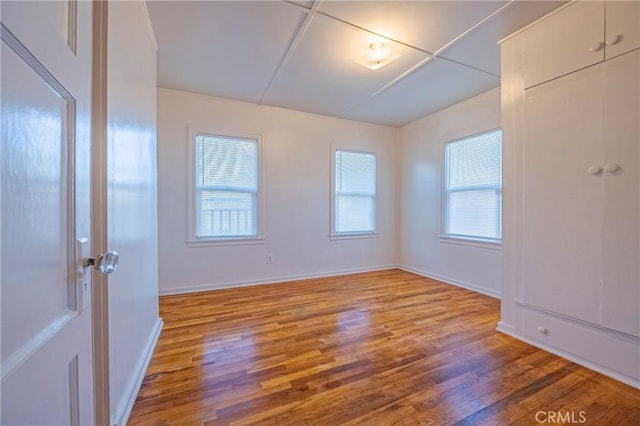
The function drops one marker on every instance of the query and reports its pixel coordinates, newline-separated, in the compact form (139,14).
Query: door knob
(105,263)
(611,168)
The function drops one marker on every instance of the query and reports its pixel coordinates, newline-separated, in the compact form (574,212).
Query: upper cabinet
(590,32)
(622,27)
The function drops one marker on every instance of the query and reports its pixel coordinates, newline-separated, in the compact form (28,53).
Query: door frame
(99,213)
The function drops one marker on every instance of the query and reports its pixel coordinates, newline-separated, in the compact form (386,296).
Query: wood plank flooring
(378,348)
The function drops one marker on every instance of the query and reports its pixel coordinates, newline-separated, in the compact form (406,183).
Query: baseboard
(247,283)
(458,283)
(506,328)
(510,331)
(122,416)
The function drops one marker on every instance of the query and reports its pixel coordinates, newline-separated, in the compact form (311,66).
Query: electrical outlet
(269,259)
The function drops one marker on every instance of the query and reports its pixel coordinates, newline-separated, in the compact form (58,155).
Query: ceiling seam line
(469,66)
(426,60)
(386,86)
(300,6)
(292,46)
(464,34)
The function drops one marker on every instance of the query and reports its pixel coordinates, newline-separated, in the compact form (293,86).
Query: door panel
(45,185)
(562,201)
(34,191)
(621,236)
(48,388)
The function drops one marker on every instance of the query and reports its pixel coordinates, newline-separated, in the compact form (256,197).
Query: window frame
(333,234)
(192,239)
(474,241)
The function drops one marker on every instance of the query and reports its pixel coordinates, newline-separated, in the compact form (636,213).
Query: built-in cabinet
(579,36)
(571,138)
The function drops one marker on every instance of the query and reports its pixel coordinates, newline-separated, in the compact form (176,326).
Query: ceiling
(301,55)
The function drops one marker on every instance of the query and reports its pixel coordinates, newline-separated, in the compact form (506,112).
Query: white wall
(296,170)
(421,154)
(131,196)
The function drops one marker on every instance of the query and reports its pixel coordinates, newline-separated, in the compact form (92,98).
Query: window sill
(354,236)
(472,242)
(220,242)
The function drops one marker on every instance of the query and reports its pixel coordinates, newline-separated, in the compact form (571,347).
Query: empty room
(320,212)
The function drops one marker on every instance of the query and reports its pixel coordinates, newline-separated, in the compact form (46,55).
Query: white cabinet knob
(613,39)
(542,330)
(596,46)
(594,170)
(611,167)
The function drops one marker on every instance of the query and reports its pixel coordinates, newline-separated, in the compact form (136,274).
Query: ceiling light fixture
(378,56)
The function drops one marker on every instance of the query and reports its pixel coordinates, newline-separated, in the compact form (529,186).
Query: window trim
(193,130)
(333,235)
(468,240)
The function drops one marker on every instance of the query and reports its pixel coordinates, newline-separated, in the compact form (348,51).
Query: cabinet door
(566,41)
(562,200)
(621,233)
(622,27)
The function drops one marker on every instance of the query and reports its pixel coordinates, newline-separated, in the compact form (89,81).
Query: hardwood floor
(379,348)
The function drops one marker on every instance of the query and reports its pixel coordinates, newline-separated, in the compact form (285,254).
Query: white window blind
(226,189)
(355,192)
(473,187)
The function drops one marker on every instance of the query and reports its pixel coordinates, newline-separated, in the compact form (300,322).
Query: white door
(562,227)
(46,350)
(621,177)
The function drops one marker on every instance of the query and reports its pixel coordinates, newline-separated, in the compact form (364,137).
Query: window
(473,187)
(226,187)
(354,192)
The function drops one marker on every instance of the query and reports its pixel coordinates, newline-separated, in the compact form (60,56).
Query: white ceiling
(302,55)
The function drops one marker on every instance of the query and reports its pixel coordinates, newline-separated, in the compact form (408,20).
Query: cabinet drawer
(566,41)
(597,346)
